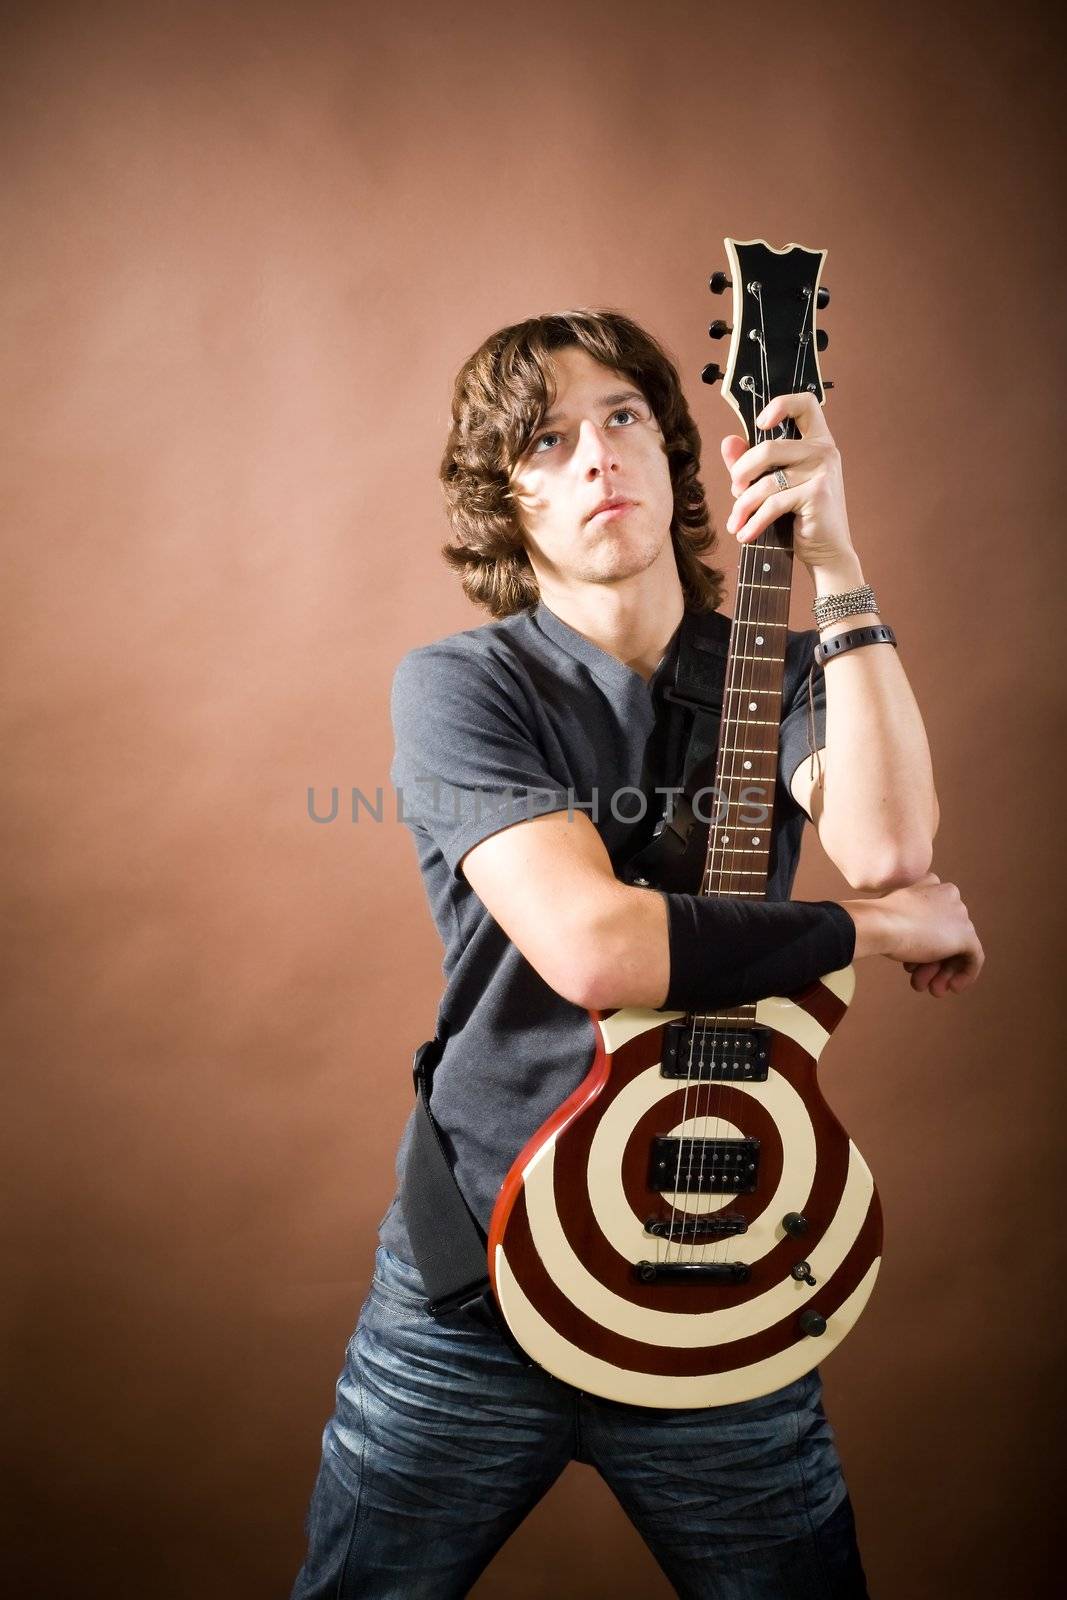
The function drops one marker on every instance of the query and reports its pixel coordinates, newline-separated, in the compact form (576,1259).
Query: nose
(596,449)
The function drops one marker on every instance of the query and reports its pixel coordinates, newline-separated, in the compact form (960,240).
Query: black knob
(795,1222)
(822,339)
(811,1324)
(711,373)
(718,328)
(718,282)
(822,299)
(802,1273)
(827,384)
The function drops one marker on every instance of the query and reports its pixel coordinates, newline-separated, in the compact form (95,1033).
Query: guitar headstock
(774,342)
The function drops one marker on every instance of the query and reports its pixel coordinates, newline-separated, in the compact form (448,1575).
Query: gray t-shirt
(512,719)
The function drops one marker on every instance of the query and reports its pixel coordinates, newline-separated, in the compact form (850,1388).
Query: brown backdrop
(245,249)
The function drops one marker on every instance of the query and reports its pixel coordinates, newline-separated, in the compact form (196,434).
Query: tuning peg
(718,328)
(718,282)
(711,373)
(822,339)
(822,299)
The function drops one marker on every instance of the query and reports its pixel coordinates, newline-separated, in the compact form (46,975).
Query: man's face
(600,442)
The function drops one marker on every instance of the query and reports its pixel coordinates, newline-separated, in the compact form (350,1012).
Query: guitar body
(569,1230)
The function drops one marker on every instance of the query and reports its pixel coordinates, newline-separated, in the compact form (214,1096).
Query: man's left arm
(871,793)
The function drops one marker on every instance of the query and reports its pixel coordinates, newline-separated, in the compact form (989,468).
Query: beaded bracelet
(832,607)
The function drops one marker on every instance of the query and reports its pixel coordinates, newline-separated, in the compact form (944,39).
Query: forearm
(627,930)
(878,811)
(698,952)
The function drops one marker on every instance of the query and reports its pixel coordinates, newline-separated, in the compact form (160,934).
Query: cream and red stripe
(570,1221)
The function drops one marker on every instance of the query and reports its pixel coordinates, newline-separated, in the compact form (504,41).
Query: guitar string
(751,590)
(705,1127)
(744,670)
(735,688)
(688,1144)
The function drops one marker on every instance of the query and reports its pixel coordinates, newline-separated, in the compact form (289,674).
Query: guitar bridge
(718,1226)
(726,1272)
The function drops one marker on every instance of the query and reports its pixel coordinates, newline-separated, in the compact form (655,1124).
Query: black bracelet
(875,633)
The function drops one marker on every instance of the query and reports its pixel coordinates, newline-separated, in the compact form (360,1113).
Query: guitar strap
(669,853)
(448,1242)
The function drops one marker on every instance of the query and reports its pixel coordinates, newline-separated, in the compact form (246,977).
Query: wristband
(854,639)
(727,953)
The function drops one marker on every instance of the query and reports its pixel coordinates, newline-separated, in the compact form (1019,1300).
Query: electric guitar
(693,1226)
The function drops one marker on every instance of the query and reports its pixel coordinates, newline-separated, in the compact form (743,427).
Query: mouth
(610,508)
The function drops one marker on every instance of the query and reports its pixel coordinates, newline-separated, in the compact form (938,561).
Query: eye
(544,438)
(626,411)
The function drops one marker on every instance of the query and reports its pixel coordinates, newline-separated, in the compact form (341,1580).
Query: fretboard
(742,808)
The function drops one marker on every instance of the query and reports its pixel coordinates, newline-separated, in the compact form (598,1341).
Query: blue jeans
(442,1440)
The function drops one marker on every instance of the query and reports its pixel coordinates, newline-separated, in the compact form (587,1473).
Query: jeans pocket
(396,1280)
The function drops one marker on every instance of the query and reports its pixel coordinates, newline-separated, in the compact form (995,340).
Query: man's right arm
(603,944)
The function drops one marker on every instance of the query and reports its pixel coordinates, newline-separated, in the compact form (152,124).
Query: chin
(630,558)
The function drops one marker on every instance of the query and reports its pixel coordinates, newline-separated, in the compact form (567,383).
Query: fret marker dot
(759,638)
(755,841)
(752,705)
(726,838)
(766,566)
(748,766)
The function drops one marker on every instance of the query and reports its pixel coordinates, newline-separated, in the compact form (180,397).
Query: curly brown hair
(501,396)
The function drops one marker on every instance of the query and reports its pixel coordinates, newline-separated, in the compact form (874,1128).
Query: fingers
(951,976)
(754,465)
(941,979)
(805,410)
(971,966)
(761,505)
(733,448)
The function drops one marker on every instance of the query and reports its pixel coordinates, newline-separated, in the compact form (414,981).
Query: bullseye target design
(570,1227)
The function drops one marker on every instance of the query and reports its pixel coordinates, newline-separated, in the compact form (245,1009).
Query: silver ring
(780,478)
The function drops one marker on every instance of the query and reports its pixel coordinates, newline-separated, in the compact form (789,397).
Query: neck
(632,619)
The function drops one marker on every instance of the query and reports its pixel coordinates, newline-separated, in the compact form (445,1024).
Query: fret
(744,894)
(736,690)
(756,722)
(738,657)
(746,750)
(754,583)
(748,622)
(743,872)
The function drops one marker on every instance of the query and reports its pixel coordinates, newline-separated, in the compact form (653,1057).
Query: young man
(579,520)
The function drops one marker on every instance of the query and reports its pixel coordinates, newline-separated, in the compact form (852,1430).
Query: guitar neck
(742,808)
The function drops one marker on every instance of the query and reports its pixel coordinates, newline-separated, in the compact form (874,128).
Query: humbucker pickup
(704,1166)
(706,1053)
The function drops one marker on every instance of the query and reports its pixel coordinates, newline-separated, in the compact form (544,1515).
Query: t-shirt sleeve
(466,763)
(803,729)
